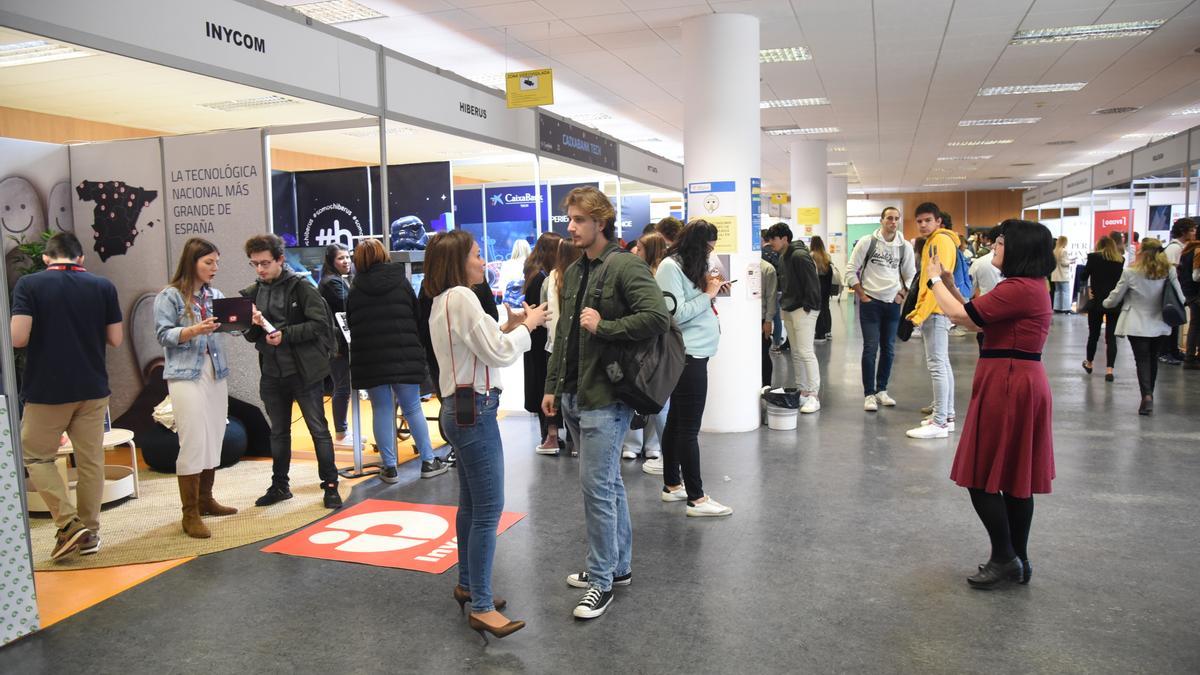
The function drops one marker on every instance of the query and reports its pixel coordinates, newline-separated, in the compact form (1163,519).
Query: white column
(722,142)
(809,190)
(835,223)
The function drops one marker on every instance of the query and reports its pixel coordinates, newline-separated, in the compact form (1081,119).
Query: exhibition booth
(319,136)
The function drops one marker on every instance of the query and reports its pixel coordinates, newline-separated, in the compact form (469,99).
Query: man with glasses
(880,270)
(294,338)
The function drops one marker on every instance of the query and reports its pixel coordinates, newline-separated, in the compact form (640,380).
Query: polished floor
(847,552)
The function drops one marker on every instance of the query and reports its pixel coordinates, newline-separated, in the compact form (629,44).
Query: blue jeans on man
(598,435)
(879,321)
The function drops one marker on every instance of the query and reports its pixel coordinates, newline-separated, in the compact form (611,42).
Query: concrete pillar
(809,190)
(722,143)
(835,223)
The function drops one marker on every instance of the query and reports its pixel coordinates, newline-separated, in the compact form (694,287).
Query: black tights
(1007,520)
(1096,315)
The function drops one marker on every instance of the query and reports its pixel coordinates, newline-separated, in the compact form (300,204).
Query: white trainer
(677,495)
(811,405)
(654,467)
(628,454)
(708,508)
(929,420)
(884,399)
(870,404)
(929,431)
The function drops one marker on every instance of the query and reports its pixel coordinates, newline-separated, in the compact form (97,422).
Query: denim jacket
(184,360)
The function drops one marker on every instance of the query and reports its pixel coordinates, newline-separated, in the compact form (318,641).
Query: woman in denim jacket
(196,375)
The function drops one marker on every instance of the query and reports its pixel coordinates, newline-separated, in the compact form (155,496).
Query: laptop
(234,314)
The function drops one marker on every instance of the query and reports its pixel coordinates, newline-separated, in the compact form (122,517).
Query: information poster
(529,88)
(1107,222)
(716,202)
(755,214)
(332,206)
(807,218)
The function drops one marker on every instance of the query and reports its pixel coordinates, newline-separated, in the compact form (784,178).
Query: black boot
(994,574)
(333,500)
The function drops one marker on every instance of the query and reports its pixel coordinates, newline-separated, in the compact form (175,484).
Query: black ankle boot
(994,574)
(1147,406)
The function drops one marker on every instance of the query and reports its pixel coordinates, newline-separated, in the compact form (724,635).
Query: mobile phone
(464,406)
(732,281)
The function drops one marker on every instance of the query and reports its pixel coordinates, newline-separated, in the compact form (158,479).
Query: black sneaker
(333,500)
(388,474)
(89,543)
(433,468)
(593,603)
(451,458)
(275,494)
(67,539)
(581,579)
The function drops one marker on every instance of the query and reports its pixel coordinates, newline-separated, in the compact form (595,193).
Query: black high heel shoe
(1109,377)
(500,632)
(994,574)
(1087,368)
(462,596)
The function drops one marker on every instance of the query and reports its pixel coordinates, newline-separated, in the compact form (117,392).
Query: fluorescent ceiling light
(999,122)
(337,11)
(489,80)
(939,184)
(1098,31)
(964,158)
(1035,182)
(971,144)
(1075,164)
(837,163)
(1032,89)
(590,117)
(949,177)
(836,148)
(793,102)
(1052,174)
(37,51)
(1187,111)
(1152,134)
(799,131)
(784,54)
(373,131)
(248,103)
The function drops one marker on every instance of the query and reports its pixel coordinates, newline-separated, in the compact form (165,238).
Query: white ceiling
(900,74)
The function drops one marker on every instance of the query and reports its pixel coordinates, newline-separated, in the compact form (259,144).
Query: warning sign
(385,533)
(529,88)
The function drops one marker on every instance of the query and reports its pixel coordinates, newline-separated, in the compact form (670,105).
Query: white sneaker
(653,467)
(811,405)
(546,449)
(628,454)
(884,399)
(344,440)
(679,495)
(929,431)
(870,404)
(708,508)
(929,420)
(958,332)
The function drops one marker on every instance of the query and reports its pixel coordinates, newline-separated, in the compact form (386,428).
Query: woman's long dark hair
(543,259)
(691,251)
(184,280)
(331,253)
(816,248)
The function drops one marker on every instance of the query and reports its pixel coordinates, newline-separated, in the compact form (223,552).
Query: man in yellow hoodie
(935,326)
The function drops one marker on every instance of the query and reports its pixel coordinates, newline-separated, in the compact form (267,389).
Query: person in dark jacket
(294,339)
(334,289)
(1103,269)
(386,357)
(1189,281)
(801,304)
(539,264)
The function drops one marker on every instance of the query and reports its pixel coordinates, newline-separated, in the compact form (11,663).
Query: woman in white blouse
(470,347)
(1061,277)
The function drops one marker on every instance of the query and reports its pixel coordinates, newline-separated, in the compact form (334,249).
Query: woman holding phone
(196,373)
(470,348)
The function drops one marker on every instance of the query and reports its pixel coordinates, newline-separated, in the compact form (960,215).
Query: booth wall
(20,612)
(979,208)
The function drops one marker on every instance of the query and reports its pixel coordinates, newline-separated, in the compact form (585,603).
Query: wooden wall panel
(287,160)
(980,208)
(35,126)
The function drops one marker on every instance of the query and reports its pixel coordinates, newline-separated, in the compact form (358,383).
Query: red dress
(1007,443)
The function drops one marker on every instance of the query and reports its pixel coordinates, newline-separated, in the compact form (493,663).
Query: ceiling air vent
(1061,143)
(1022,164)
(1119,110)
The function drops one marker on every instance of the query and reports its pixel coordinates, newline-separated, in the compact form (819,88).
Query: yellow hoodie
(945,243)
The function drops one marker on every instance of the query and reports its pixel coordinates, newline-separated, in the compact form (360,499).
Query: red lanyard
(202,305)
(65,267)
(453,365)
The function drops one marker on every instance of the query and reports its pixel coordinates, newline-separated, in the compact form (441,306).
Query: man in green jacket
(294,336)
(800,302)
(625,307)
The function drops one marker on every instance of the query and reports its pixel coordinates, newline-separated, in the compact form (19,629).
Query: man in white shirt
(1183,231)
(880,269)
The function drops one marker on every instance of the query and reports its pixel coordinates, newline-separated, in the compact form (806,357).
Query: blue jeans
(480,494)
(935,333)
(598,434)
(649,437)
(878,320)
(383,419)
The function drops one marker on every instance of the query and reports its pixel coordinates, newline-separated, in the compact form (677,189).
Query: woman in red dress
(1005,462)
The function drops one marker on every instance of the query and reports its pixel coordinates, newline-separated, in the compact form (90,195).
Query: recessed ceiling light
(1032,89)
(964,158)
(949,177)
(1021,164)
(971,144)
(1075,164)
(1152,134)
(1052,174)
(1118,110)
(939,184)
(337,11)
(837,163)
(255,102)
(784,54)
(999,177)
(1035,182)
(1187,111)
(1060,143)
(793,102)
(489,80)
(1098,31)
(590,117)
(836,148)
(37,51)
(801,131)
(999,122)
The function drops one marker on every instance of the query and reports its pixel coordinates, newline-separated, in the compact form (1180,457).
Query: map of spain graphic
(115,215)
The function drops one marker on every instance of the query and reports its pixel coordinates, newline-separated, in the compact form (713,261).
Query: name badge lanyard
(454,366)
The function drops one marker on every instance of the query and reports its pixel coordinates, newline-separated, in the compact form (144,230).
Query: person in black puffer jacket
(386,357)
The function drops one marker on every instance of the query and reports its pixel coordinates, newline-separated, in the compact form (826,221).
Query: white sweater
(474,347)
(883,276)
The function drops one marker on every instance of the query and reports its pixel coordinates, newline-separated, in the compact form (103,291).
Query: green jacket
(631,309)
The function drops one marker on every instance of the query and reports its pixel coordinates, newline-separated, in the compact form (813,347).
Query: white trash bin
(781,419)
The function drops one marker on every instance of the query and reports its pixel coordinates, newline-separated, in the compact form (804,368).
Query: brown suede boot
(208,505)
(189,494)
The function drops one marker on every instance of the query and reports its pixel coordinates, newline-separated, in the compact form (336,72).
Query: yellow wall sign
(529,88)
(808,215)
(780,197)
(727,233)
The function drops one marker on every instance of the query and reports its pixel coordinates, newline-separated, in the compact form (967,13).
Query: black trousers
(277,395)
(1096,315)
(1193,334)
(1145,355)
(768,369)
(1169,344)
(680,439)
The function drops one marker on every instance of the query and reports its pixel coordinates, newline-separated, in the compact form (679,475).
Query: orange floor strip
(62,594)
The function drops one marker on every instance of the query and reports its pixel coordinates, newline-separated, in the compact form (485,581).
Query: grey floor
(847,552)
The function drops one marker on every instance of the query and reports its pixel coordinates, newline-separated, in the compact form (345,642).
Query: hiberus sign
(561,138)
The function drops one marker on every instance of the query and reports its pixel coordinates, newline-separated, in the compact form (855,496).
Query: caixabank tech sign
(564,139)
